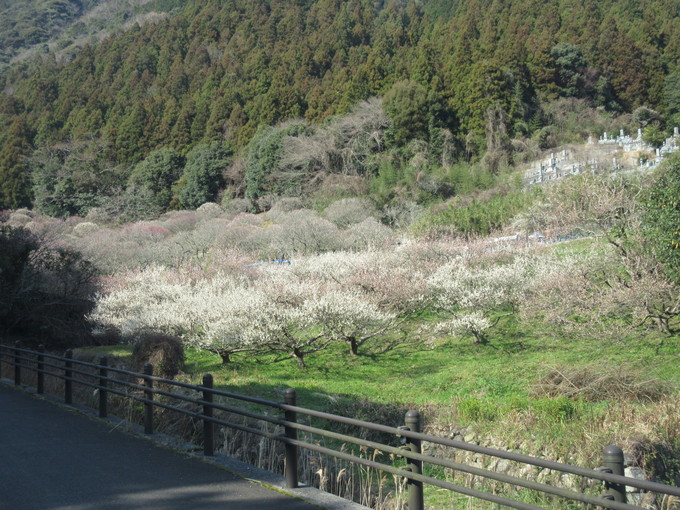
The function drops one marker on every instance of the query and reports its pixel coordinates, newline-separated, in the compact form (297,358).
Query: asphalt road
(52,458)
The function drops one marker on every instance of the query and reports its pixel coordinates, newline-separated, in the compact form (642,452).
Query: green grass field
(490,390)
(454,379)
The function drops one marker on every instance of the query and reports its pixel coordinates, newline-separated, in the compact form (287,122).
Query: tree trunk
(353,346)
(480,338)
(299,357)
(226,357)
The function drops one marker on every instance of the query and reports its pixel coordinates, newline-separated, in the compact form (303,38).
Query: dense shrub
(477,217)
(236,205)
(157,173)
(202,177)
(45,289)
(583,205)
(661,218)
(349,211)
(209,210)
(85,228)
(369,233)
(180,221)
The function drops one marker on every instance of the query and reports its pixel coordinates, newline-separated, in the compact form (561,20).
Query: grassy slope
(415,374)
(486,390)
(519,353)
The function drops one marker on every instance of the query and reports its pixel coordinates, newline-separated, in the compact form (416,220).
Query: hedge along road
(56,459)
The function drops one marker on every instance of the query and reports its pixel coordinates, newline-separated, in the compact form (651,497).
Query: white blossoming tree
(348,316)
(471,294)
(392,281)
(157,299)
(273,310)
(310,313)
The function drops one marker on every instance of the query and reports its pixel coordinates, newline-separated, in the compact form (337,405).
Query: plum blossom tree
(393,281)
(470,294)
(142,300)
(348,316)
(270,310)
(240,320)
(215,315)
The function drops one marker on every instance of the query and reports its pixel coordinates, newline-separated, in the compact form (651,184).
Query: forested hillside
(37,27)
(24,23)
(463,78)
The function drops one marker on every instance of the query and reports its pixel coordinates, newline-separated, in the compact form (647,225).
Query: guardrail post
(148,407)
(291,467)
(68,377)
(415,488)
(40,368)
(17,361)
(208,425)
(103,394)
(613,459)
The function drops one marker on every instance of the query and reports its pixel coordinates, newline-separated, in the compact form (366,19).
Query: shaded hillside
(25,23)
(217,70)
(38,27)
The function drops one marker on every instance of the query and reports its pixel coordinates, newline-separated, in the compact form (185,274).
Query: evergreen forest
(458,82)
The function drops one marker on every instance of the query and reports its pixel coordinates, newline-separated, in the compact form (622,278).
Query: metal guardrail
(409,435)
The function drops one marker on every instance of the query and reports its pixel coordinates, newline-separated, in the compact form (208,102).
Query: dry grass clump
(366,486)
(670,503)
(596,384)
(164,352)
